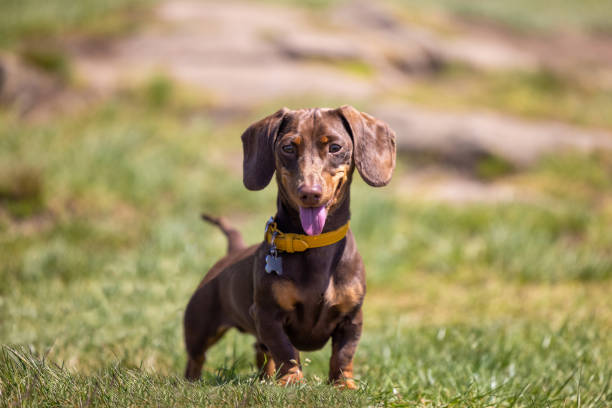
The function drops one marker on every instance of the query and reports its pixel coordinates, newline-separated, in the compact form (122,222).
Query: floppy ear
(374,146)
(258,148)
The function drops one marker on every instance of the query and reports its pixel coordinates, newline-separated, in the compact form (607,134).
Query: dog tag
(274,264)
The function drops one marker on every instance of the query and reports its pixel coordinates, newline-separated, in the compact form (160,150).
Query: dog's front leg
(271,333)
(344,343)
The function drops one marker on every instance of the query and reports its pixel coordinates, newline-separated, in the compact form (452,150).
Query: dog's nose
(310,195)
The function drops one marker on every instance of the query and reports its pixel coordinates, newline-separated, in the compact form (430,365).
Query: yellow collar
(290,242)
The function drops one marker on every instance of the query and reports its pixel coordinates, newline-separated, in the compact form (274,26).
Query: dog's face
(314,153)
(313,160)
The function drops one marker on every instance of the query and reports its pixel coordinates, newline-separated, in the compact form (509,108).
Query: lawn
(30,20)
(483,305)
(539,15)
(502,304)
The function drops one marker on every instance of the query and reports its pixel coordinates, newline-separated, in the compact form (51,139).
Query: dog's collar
(290,242)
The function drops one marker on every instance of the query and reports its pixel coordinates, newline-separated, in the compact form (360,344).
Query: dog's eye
(288,149)
(334,148)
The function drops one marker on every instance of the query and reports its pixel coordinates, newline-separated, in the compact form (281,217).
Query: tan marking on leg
(269,368)
(345,381)
(212,340)
(346,384)
(293,376)
(266,365)
(286,294)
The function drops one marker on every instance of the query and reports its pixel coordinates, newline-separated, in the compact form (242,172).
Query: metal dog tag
(274,264)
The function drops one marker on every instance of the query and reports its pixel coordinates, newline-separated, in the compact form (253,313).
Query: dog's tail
(234,238)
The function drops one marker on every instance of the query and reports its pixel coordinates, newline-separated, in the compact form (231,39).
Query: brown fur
(343,297)
(320,293)
(286,294)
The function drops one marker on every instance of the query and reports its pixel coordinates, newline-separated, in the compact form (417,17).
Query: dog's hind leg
(203,328)
(196,354)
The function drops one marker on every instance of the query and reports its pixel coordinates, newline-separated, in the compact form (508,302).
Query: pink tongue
(313,219)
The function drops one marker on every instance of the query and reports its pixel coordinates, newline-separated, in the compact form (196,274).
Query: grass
(21,190)
(533,94)
(354,67)
(25,21)
(525,15)
(481,305)
(540,15)
(496,365)
(475,305)
(47,59)
(30,20)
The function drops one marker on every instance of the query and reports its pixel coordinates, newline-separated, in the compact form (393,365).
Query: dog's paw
(345,384)
(294,376)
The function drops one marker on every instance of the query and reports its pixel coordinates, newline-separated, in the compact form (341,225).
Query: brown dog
(306,282)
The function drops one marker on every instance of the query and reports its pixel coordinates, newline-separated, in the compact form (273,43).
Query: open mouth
(313,219)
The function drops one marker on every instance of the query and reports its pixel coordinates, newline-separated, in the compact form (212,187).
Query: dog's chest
(313,315)
(341,297)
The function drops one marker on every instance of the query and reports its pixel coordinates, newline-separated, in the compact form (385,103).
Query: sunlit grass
(478,304)
(31,20)
(450,365)
(525,15)
(533,94)
(540,15)
(101,245)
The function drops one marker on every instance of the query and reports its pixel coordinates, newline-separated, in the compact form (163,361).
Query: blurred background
(489,256)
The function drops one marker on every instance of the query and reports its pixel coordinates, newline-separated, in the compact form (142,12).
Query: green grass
(539,15)
(48,59)
(352,67)
(500,365)
(538,94)
(525,15)
(476,305)
(33,21)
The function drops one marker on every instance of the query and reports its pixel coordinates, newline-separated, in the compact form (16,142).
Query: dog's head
(314,153)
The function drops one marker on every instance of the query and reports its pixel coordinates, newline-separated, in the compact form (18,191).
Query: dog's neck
(288,219)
